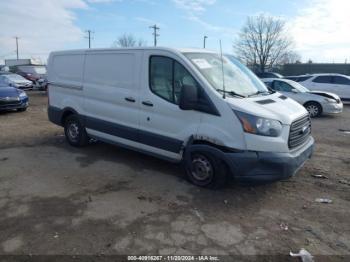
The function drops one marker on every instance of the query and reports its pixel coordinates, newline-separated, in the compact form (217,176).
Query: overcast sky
(320,28)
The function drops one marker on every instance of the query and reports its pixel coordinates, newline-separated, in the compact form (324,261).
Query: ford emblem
(304,129)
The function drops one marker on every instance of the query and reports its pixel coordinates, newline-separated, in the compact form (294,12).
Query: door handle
(130,99)
(147,103)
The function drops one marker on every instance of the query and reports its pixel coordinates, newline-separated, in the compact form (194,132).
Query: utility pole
(16,37)
(205,38)
(89,36)
(155,34)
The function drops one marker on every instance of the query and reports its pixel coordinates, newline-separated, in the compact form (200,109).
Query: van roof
(180,50)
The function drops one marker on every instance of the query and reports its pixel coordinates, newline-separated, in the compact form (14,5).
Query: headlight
(259,125)
(330,100)
(22,94)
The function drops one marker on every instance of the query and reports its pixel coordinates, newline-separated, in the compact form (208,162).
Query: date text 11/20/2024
(173,258)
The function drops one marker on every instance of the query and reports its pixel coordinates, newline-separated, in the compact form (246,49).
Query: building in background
(310,68)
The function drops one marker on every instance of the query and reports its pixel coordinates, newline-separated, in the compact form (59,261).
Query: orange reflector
(247,126)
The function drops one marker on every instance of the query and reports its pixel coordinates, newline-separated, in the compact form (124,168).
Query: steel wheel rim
(202,169)
(73,131)
(313,110)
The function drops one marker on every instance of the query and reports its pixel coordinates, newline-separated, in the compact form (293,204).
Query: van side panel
(111,89)
(65,75)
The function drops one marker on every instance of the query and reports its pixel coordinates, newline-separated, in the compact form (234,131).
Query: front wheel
(314,109)
(22,109)
(206,170)
(75,132)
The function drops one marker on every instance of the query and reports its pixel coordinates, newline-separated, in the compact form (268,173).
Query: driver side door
(164,127)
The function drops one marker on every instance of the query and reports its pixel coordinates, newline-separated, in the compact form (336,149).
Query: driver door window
(167,77)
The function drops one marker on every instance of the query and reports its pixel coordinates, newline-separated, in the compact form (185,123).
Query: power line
(89,36)
(155,34)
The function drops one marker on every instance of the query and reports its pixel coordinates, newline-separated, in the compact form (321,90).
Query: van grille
(300,131)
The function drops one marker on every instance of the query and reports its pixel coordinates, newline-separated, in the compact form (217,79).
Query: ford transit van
(184,105)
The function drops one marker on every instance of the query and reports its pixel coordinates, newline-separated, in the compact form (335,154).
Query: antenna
(223,74)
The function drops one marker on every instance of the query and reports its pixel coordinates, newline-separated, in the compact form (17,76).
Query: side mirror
(188,97)
(294,90)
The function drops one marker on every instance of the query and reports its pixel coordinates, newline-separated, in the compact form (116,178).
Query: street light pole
(16,37)
(205,38)
(89,36)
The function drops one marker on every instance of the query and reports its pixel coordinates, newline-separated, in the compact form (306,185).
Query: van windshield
(239,79)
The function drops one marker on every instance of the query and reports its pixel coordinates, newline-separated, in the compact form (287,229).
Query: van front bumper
(268,166)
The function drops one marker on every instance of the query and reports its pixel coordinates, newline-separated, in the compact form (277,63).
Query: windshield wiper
(261,92)
(231,93)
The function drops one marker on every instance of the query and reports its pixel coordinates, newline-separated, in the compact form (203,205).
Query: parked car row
(316,102)
(25,76)
(12,98)
(15,80)
(335,83)
(319,93)
(34,73)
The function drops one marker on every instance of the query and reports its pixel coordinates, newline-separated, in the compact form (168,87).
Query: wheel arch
(67,111)
(219,151)
(313,102)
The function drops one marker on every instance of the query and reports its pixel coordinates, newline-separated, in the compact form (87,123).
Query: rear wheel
(21,109)
(314,109)
(206,170)
(75,132)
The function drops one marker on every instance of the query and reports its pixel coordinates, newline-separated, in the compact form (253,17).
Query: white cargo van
(184,105)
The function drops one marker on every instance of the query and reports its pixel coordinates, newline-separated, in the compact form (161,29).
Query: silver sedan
(316,102)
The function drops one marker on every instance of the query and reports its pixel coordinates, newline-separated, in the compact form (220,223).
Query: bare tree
(128,40)
(290,57)
(263,42)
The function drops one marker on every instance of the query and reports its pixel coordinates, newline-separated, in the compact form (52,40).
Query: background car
(34,73)
(300,78)
(4,68)
(16,81)
(12,98)
(336,83)
(315,102)
(269,75)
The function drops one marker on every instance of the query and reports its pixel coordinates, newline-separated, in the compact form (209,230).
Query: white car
(335,83)
(316,102)
(183,105)
(16,81)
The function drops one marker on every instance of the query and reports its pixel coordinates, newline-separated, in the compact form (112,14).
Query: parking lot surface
(103,199)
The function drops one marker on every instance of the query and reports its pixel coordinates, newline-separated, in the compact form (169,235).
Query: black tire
(214,168)
(75,132)
(21,109)
(314,109)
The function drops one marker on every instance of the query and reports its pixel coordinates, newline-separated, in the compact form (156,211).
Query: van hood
(274,106)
